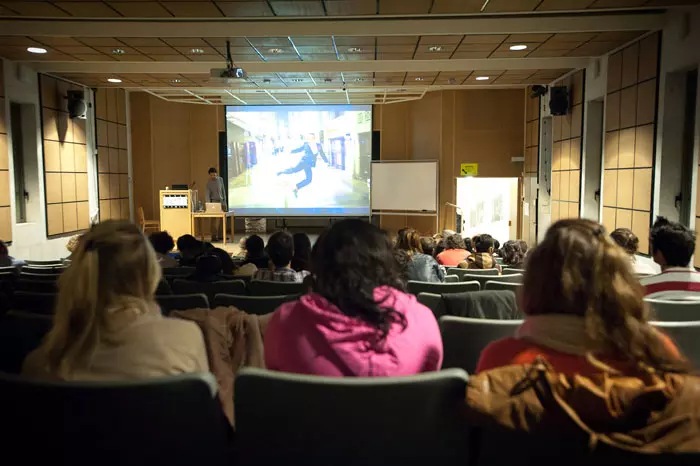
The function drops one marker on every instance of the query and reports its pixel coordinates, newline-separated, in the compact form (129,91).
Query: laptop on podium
(213,207)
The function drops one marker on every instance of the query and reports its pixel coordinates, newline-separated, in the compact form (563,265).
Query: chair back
(674,311)
(461,272)
(496,285)
(43,270)
(451,279)
(416,287)
(142,216)
(43,276)
(482,279)
(259,305)
(463,339)
(53,263)
(432,301)
(350,420)
(182,302)
(20,334)
(210,289)
(511,270)
(36,286)
(269,288)
(34,303)
(686,336)
(179,271)
(174,420)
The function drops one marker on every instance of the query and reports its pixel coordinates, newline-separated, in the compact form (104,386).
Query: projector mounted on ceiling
(231,73)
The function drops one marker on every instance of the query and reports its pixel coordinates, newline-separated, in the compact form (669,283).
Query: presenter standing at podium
(216,193)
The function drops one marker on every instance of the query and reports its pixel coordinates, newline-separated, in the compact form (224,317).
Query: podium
(176,208)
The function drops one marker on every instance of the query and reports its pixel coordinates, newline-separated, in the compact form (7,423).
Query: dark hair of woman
(454,242)
(302,246)
(512,253)
(254,246)
(468,244)
(428,244)
(626,239)
(410,242)
(579,270)
(348,262)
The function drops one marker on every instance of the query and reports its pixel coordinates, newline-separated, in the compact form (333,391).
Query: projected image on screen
(299,160)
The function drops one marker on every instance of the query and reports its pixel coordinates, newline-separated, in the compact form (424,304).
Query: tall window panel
(630,126)
(531,166)
(112,155)
(65,161)
(5,216)
(566,151)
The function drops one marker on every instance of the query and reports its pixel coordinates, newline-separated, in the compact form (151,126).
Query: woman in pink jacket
(357,321)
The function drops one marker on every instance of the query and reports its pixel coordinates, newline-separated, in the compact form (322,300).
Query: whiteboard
(406,185)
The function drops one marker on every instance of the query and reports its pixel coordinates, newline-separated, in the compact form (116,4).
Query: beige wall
(453,127)
(5,215)
(171,143)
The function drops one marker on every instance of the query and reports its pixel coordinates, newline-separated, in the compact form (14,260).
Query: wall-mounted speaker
(559,100)
(76,104)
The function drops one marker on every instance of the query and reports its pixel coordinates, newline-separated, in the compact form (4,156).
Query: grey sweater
(216,191)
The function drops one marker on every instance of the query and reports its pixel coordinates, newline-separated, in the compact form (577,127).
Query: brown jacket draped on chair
(234,339)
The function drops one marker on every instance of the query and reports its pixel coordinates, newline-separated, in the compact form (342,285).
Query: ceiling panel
(351,7)
(245,9)
(203,9)
(297,8)
(141,9)
(88,9)
(404,7)
(33,8)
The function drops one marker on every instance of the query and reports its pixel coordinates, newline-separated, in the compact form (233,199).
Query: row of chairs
(468,284)
(259,305)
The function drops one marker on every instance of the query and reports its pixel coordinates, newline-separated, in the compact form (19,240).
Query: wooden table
(222,215)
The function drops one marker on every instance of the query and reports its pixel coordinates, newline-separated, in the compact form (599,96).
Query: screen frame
(354,107)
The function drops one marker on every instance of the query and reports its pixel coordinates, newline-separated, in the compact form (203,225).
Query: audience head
(302,246)
(513,253)
(428,244)
(403,258)
(439,247)
(212,173)
(627,240)
(496,243)
(348,262)
(187,243)
(672,244)
(254,246)
(113,269)
(162,242)
(72,244)
(578,270)
(523,246)
(468,244)
(454,242)
(280,249)
(485,244)
(410,242)
(208,264)
(3,249)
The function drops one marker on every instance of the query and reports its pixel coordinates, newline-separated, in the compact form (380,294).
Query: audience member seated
(513,255)
(582,301)
(468,245)
(428,245)
(673,246)
(227,266)
(255,252)
(190,249)
(421,267)
(402,260)
(439,248)
(454,252)
(280,250)
(483,257)
(107,324)
(208,269)
(302,252)
(163,244)
(357,321)
(628,241)
(5,259)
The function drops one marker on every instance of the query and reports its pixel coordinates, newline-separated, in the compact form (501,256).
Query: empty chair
(686,335)
(252,304)
(174,420)
(210,289)
(35,303)
(36,286)
(268,288)
(350,421)
(181,302)
(20,334)
(442,288)
(463,339)
(432,301)
(482,279)
(451,279)
(512,270)
(674,311)
(461,272)
(496,285)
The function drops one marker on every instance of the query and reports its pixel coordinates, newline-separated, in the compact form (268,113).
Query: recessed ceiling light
(452,81)
(175,81)
(419,78)
(275,51)
(435,48)
(518,47)
(359,80)
(354,50)
(327,80)
(38,50)
(118,52)
(482,78)
(296,80)
(114,80)
(197,51)
(267,80)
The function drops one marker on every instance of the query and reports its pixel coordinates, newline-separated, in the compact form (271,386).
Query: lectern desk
(176,212)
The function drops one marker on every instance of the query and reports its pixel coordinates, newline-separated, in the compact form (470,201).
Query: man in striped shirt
(673,246)
(280,250)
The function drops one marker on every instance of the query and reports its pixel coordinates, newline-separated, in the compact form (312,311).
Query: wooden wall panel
(5,213)
(531,165)
(112,150)
(630,128)
(567,148)
(65,160)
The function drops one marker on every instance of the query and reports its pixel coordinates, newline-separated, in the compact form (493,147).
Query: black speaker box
(559,100)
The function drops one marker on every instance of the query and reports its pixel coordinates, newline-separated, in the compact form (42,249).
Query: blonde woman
(107,325)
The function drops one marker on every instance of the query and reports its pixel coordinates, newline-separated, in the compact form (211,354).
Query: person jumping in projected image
(311,150)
